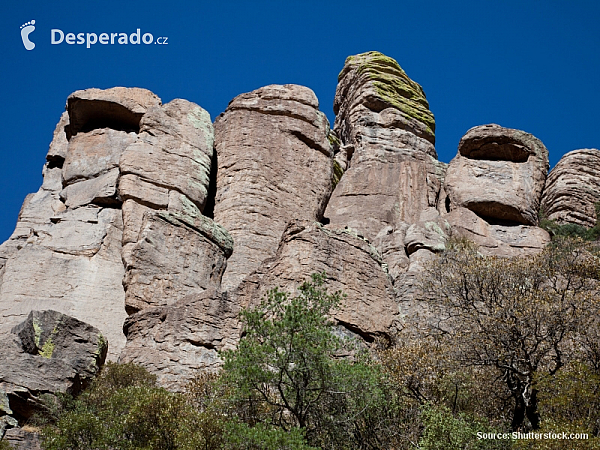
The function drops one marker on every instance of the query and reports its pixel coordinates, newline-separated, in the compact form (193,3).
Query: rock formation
(117,223)
(169,228)
(573,188)
(275,164)
(499,174)
(494,188)
(390,189)
(47,353)
(353,266)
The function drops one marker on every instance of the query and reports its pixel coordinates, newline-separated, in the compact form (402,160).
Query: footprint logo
(26,30)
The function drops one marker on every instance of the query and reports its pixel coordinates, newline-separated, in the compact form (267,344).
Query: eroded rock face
(175,342)
(117,108)
(498,173)
(275,164)
(573,188)
(173,151)
(65,252)
(352,265)
(498,240)
(173,259)
(391,186)
(49,352)
(118,220)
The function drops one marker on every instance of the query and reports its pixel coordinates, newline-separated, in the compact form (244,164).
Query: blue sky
(532,65)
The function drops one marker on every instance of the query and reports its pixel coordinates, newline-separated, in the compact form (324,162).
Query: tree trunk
(532,412)
(518,413)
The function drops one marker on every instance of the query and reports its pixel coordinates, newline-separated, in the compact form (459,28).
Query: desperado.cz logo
(59,37)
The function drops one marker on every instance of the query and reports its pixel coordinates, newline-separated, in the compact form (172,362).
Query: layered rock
(118,220)
(494,187)
(499,174)
(497,240)
(352,265)
(175,342)
(47,353)
(391,185)
(573,189)
(175,256)
(275,164)
(65,252)
(170,249)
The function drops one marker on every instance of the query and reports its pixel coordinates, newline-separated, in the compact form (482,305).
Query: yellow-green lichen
(333,140)
(337,173)
(37,330)
(392,85)
(47,348)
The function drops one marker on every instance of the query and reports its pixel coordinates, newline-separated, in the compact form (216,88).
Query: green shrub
(123,409)
(446,431)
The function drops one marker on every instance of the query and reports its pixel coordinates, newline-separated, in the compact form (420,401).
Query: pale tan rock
(573,189)
(275,165)
(174,150)
(391,186)
(118,108)
(497,240)
(133,215)
(101,190)
(58,147)
(385,125)
(73,266)
(94,153)
(146,193)
(169,261)
(352,266)
(499,173)
(175,342)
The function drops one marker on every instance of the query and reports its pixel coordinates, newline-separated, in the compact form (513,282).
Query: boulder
(49,352)
(352,265)
(173,151)
(174,342)
(499,174)
(573,189)
(275,164)
(117,108)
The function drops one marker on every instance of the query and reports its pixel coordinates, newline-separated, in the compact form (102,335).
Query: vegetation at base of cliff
(501,345)
(511,344)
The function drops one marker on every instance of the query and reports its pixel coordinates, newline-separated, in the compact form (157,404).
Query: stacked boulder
(494,188)
(275,164)
(391,185)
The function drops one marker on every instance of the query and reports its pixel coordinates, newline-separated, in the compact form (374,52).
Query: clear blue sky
(532,65)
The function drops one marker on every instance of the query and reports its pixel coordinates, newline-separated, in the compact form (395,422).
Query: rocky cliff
(154,226)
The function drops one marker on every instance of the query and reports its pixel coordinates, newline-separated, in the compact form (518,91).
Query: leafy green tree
(444,430)
(292,371)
